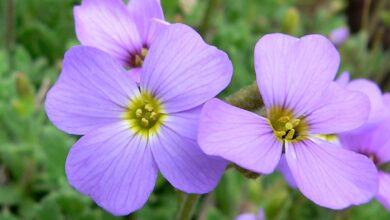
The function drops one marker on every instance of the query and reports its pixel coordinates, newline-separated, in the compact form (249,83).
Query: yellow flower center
(145,115)
(286,126)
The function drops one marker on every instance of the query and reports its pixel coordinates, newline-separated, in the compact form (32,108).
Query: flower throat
(286,126)
(145,114)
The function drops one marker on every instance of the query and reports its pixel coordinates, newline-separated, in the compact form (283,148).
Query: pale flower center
(145,114)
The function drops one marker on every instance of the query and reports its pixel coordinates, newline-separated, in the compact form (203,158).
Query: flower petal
(357,142)
(340,110)
(108,25)
(93,90)
(143,11)
(386,99)
(239,136)
(332,176)
(286,172)
(371,142)
(339,35)
(294,73)
(383,195)
(114,168)
(135,74)
(379,144)
(247,216)
(343,79)
(187,74)
(183,164)
(185,123)
(378,111)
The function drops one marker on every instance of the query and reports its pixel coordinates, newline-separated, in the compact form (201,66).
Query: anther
(138,113)
(149,107)
(153,115)
(280,133)
(138,60)
(295,122)
(289,125)
(144,51)
(284,119)
(144,122)
(290,134)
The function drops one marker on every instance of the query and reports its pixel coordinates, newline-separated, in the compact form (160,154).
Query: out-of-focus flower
(339,35)
(295,81)
(250,216)
(373,142)
(130,130)
(125,32)
(378,109)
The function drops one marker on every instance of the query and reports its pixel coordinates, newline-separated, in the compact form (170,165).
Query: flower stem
(9,24)
(212,5)
(187,207)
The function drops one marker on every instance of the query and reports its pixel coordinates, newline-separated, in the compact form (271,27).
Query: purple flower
(295,81)
(378,109)
(339,35)
(373,142)
(126,33)
(130,132)
(249,216)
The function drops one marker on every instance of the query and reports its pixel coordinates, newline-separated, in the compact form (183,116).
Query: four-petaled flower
(295,81)
(126,33)
(130,130)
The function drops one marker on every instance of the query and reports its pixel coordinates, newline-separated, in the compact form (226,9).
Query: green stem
(187,207)
(205,24)
(9,24)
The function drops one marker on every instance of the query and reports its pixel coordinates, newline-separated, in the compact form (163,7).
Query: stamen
(144,122)
(144,51)
(149,107)
(295,122)
(286,126)
(145,114)
(289,125)
(153,115)
(284,119)
(290,134)
(138,60)
(138,113)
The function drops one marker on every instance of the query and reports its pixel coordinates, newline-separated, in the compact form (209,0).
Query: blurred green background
(35,34)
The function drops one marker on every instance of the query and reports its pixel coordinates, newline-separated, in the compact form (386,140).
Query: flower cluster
(141,94)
